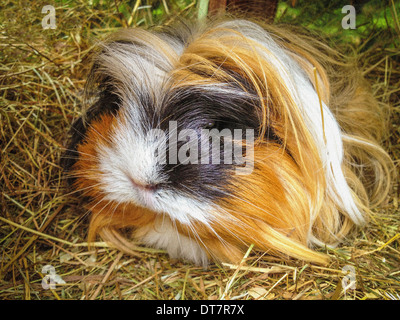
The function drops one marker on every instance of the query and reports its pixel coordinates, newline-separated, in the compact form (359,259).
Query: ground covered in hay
(42,75)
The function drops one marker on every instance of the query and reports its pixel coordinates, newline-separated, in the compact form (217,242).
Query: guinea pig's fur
(318,167)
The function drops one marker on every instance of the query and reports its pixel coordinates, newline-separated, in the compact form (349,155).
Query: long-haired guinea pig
(296,166)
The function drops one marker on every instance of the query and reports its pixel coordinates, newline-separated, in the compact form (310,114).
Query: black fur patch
(197,109)
(107,103)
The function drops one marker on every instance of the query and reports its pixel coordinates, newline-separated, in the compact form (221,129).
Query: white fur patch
(165,236)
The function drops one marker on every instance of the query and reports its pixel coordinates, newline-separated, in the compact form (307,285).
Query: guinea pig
(297,164)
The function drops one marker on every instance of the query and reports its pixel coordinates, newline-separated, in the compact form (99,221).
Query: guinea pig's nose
(143,186)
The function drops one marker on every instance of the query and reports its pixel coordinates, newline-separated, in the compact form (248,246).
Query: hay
(42,75)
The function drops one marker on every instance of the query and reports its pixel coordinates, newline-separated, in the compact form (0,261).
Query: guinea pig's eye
(210,125)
